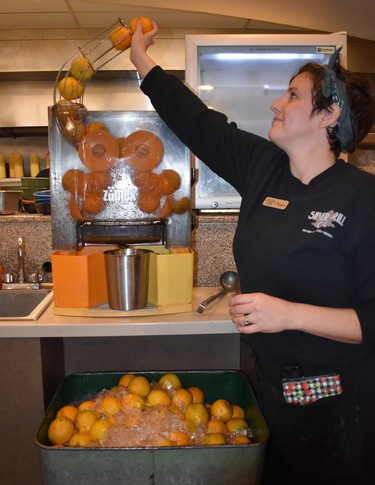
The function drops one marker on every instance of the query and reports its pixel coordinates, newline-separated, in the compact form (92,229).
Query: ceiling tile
(103,6)
(16,21)
(17,16)
(22,6)
(96,20)
(165,20)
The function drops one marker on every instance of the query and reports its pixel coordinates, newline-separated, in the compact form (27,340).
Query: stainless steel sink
(24,304)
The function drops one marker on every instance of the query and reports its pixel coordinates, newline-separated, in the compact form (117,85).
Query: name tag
(276,203)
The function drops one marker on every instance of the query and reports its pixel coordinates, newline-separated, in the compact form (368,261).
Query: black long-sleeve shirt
(318,250)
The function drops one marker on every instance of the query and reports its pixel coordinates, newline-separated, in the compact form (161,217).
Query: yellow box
(170,276)
(79,279)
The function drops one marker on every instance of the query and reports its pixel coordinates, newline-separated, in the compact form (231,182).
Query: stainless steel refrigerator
(241,75)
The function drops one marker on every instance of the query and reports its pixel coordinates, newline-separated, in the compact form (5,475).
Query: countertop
(214,320)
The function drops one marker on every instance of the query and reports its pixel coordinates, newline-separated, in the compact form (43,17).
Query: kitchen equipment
(239,464)
(171,276)
(109,206)
(16,164)
(29,206)
(170,288)
(2,166)
(30,186)
(36,183)
(84,270)
(9,201)
(118,178)
(10,184)
(127,273)
(34,164)
(228,281)
(75,74)
(94,54)
(24,304)
(255,69)
(43,208)
(42,197)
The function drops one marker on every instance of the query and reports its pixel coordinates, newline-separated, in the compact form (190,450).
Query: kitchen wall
(29,68)
(211,240)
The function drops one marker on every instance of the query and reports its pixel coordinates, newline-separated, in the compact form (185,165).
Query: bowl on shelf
(43,208)
(36,183)
(28,193)
(42,193)
(42,197)
(29,206)
(30,185)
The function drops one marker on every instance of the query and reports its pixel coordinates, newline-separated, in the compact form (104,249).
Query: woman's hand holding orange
(140,43)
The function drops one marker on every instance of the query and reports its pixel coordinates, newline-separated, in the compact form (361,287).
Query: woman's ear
(330,117)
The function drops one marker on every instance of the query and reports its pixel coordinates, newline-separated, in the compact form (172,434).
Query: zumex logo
(325,220)
(114,195)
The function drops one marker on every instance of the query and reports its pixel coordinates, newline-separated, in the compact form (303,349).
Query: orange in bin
(79,279)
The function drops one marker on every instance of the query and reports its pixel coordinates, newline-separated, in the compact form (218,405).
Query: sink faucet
(21,262)
(21,284)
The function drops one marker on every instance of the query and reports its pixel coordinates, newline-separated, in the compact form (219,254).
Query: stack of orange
(140,413)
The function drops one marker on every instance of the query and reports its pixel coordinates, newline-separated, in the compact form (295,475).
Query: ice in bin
(240,464)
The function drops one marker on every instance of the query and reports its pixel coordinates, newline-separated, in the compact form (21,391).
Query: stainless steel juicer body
(121,221)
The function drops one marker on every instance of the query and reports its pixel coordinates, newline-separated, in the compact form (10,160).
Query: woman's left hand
(258,312)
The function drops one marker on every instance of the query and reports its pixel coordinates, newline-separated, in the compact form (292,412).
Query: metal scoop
(228,281)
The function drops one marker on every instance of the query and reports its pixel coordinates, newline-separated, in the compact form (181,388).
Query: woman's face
(292,123)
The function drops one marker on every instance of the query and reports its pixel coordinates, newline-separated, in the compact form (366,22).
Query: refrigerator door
(241,75)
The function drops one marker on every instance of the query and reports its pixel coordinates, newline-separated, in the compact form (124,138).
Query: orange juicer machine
(116,177)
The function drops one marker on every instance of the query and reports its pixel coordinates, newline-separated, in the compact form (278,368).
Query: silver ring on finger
(246,322)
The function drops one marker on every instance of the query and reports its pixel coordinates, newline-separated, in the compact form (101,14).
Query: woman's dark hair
(361,102)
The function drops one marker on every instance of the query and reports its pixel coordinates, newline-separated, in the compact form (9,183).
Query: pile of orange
(140,413)
(108,158)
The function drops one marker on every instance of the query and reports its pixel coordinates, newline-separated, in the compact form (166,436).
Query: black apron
(331,441)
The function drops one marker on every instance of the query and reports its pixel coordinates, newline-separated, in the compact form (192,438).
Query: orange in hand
(146,24)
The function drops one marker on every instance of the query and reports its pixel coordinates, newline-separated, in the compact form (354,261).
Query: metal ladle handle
(204,303)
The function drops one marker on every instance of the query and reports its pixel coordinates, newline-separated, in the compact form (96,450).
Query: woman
(304,252)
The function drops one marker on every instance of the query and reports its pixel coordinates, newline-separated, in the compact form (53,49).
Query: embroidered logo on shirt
(323,220)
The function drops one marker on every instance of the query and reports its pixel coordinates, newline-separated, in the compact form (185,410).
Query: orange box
(79,279)
(170,276)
